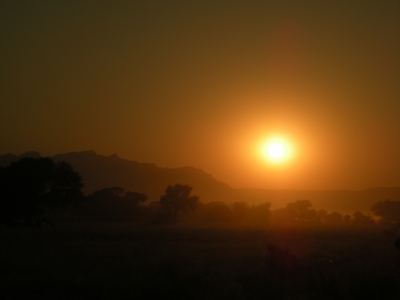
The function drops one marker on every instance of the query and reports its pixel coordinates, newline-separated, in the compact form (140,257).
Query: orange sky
(204,83)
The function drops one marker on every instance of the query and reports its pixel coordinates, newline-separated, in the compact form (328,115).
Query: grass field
(120,261)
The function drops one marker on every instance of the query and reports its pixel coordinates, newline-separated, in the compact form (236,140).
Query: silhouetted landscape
(116,243)
(200,149)
(100,171)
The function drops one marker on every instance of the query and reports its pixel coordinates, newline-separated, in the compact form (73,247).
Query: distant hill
(330,200)
(100,171)
(7,159)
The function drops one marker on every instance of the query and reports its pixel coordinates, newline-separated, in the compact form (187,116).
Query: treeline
(116,205)
(111,205)
(35,191)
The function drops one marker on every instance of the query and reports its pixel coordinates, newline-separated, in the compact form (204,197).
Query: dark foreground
(156,262)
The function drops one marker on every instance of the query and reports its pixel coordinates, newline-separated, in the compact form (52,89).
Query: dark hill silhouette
(100,171)
(7,159)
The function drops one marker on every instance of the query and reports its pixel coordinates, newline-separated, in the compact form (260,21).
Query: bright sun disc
(276,150)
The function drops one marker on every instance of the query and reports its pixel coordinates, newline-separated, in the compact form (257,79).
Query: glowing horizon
(175,86)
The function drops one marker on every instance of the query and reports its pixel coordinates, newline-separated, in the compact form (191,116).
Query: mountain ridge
(99,171)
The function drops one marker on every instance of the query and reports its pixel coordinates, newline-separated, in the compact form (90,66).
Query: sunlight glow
(276,150)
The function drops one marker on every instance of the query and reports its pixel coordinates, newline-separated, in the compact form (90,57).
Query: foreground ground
(116,261)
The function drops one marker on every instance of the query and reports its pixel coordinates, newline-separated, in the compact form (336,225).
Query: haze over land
(100,172)
(205,83)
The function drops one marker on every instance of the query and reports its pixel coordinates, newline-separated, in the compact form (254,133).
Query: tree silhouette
(334,218)
(32,185)
(176,198)
(388,210)
(218,212)
(134,198)
(113,204)
(301,211)
(240,211)
(360,219)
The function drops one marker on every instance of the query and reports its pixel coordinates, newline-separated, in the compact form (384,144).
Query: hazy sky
(204,83)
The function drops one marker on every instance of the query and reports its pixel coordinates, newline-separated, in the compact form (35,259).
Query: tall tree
(31,185)
(301,211)
(177,198)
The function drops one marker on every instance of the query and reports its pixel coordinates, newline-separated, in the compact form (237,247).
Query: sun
(276,150)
